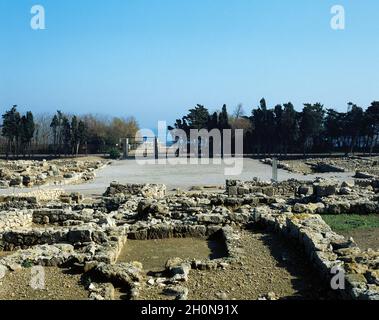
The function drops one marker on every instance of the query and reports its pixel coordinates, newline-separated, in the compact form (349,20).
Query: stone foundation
(90,236)
(155,191)
(325,250)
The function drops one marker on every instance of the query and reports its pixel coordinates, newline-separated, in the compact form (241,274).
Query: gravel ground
(269,264)
(59,285)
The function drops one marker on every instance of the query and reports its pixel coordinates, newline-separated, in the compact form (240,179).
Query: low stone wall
(59,216)
(324,167)
(165,231)
(226,234)
(281,165)
(231,237)
(325,250)
(13,240)
(44,255)
(108,252)
(155,191)
(365,175)
(241,188)
(351,207)
(18,198)
(177,271)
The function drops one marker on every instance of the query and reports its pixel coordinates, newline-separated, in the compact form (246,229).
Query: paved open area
(181,176)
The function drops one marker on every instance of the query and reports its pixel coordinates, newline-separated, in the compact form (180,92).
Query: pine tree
(75,139)
(11,130)
(27,128)
(66,135)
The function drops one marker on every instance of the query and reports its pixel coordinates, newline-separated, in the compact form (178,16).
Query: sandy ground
(60,284)
(365,238)
(178,176)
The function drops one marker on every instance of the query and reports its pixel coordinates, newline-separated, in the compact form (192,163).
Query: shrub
(27,264)
(114,153)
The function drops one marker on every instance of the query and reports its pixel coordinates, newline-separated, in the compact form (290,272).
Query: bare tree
(43,133)
(238,112)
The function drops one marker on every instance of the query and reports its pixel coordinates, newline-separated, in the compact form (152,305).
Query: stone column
(156,149)
(125,148)
(274,170)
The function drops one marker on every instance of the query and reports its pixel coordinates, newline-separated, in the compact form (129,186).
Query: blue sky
(154,59)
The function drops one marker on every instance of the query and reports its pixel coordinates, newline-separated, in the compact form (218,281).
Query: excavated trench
(267,263)
(153,254)
(259,254)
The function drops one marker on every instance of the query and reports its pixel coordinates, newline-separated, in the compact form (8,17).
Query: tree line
(282,129)
(61,134)
(18,131)
(267,130)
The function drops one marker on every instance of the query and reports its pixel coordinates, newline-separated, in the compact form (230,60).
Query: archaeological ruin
(145,241)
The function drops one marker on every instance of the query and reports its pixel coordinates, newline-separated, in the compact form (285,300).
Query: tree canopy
(282,129)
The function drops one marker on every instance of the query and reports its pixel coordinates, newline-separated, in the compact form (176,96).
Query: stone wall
(325,250)
(43,255)
(60,216)
(165,231)
(30,199)
(155,191)
(240,188)
(12,240)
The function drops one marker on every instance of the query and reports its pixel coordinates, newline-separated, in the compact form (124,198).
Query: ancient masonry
(65,230)
(365,168)
(29,173)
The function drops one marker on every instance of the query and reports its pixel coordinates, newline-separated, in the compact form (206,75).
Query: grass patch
(348,222)
(27,264)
